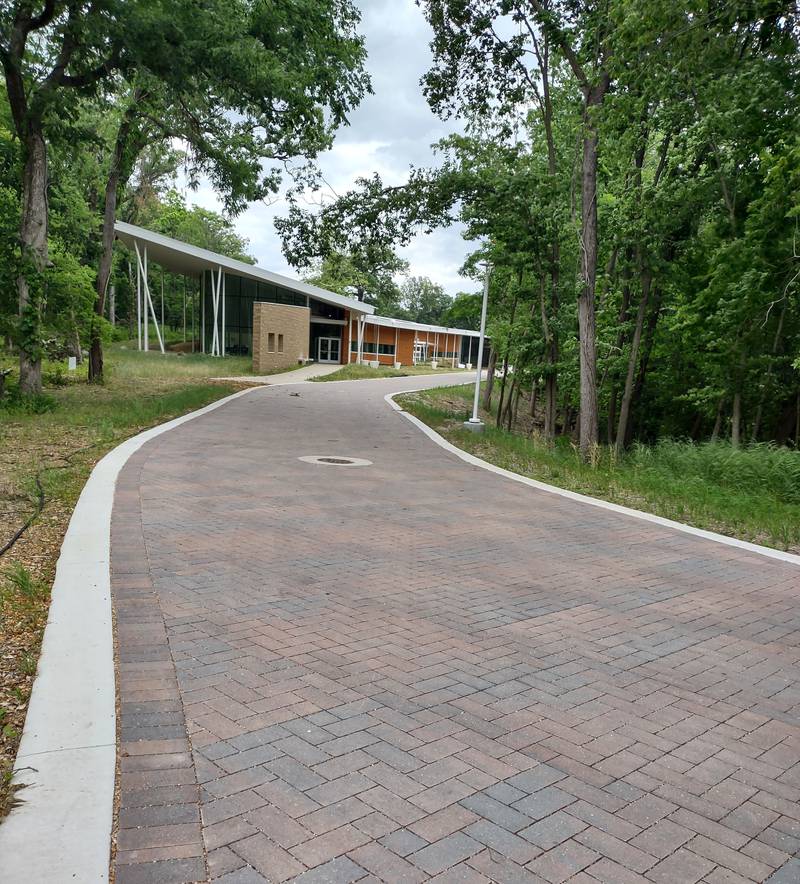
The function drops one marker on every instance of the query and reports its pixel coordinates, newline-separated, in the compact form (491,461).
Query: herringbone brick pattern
(420,671)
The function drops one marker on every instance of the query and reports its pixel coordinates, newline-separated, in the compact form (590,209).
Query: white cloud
(389,131)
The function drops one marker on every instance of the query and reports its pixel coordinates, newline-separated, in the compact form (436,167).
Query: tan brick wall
(279,319)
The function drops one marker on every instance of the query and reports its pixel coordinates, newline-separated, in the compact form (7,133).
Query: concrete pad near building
(241,309)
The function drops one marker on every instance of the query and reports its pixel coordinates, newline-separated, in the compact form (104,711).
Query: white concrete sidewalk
(299,375)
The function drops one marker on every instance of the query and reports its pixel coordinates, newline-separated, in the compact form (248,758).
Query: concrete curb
(61,831)
(583,498)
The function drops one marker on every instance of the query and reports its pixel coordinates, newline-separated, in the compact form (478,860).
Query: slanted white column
(360,351)
(148,303)
(216,288)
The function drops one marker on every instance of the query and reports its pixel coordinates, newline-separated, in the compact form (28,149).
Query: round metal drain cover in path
(327,460)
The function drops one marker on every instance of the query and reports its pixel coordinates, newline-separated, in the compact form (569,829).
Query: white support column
(215,292)
(138,299)
(149,303)
(203,313)
(360,351)
(350,341)
(223,312)
(145,299)
(396,340)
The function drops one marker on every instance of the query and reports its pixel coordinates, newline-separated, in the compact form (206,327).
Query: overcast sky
(391,130)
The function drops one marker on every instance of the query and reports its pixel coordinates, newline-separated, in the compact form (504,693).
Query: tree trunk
(551,354)
(489,387)
(502,390)
(718,420)
(104,268)
(587,326)
(627,396)
(509,410)
(797,423)
(612,415)
(118,173)
(767,385)
(33,243)
(647,350)
(736,419)
(77,350)
(622,321)
(534,396)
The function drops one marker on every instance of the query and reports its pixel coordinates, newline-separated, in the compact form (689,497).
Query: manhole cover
(328,460)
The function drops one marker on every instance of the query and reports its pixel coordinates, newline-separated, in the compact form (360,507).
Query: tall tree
(238,82)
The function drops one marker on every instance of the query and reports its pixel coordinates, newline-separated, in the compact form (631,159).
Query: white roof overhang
(388,322)
(180,257)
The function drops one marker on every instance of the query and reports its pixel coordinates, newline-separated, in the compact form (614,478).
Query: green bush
(36,403)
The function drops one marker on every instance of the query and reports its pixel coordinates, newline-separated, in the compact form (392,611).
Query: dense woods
(632,172)
(630,169)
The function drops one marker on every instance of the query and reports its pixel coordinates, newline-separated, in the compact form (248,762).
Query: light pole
(475,424)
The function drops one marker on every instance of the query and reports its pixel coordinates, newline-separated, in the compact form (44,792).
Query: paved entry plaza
(421,671)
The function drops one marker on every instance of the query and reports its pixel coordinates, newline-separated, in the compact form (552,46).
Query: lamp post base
(474,425)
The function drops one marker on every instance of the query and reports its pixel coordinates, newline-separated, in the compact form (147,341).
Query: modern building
(244,309)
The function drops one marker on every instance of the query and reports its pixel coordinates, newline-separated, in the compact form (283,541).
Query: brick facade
(280,336)
(403,341)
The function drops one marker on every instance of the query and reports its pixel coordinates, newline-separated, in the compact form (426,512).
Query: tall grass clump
(763,468)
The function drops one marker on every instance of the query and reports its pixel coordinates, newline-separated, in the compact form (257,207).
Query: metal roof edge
(242,268)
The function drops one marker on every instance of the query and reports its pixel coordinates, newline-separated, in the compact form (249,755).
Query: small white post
(475,423)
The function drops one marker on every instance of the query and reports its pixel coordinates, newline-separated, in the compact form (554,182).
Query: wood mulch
(23,615)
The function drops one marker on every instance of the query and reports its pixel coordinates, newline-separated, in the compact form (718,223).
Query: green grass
(751,493)
(355,372)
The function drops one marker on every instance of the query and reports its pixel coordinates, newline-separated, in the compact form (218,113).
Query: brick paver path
(419,670)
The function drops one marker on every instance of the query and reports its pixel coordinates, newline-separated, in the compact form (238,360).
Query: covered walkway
(417,670)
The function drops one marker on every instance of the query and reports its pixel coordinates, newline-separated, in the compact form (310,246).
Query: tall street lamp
(475,424)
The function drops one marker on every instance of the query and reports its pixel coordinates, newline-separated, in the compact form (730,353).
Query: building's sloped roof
(388,322)
(180,257)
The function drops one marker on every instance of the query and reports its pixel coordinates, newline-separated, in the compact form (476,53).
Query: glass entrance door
(328,350)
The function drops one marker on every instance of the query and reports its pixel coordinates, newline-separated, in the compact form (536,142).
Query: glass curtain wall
(240,295)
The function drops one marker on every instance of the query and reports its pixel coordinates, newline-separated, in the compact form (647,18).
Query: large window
(325,311)
(240,295)
(369,347)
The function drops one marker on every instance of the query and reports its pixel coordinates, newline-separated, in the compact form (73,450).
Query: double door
(328,350)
